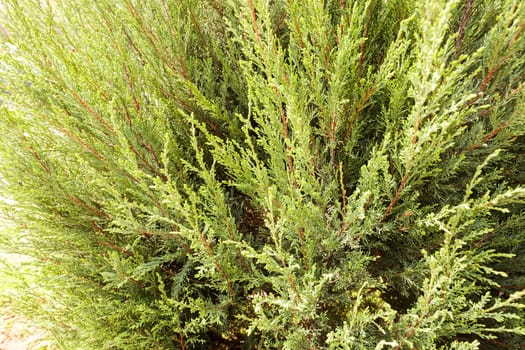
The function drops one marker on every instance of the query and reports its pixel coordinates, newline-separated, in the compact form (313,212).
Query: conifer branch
(177,69)
(136,103)
(343,196)
(198,28)
(467,9)
(292,283)
(343,190)
(291,169)
(153,154)
(115,247)
(91,111)
(82,143)
(37,157)
(216,263)
(126,113)
(253,16)
(175,65)
(332,134)
(517,35)
(353,119)
(298,32)
(362,46)
(180,340)
(497,66)
(166,235)
(490,74)
(283,99)
(97,228)
(142,160)
(117,48)
(217,8)
(394,200)
(81,203)
(490,136)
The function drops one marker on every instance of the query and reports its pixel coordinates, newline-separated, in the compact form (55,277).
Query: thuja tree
(267,174)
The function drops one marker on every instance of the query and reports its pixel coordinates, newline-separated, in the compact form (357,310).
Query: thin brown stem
(166,235)
(253,15)
(217,8)
(152,39)
(492,71)
(84,104)
(38,158)
(152,152)
(291,169)
(84,205)
(332,135)
(404,179)
(362,45)
(115,247)
(83,144)
(136,103)
(362,52)
(467,10)
(394,200)
(217,265)
(343,196)
(490,136)
(358,109)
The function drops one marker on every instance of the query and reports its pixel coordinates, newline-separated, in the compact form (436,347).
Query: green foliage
(267,174)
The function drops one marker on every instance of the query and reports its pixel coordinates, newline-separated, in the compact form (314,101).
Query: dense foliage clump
(267,174)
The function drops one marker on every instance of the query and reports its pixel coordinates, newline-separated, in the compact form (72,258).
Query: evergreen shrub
(258,174)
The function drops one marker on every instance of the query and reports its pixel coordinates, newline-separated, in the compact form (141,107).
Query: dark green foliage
(267,174)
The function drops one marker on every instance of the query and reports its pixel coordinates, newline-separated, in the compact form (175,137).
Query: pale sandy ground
(16,332)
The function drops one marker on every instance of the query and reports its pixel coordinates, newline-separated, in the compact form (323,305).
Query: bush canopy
(259,174)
